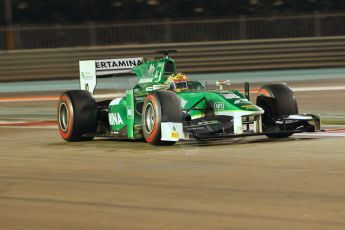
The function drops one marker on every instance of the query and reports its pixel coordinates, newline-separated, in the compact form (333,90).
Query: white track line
(55,98)
(28,99)
(318,88)
(321,134)
(30,127)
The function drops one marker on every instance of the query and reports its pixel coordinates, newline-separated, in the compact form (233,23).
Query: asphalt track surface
(242,183)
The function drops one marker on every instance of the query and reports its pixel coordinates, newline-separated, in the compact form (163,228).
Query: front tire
(77,115)
(160,106)
(276,100)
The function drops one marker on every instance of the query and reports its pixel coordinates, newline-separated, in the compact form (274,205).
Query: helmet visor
(181,85)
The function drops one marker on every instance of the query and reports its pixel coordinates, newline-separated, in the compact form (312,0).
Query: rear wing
(91,69)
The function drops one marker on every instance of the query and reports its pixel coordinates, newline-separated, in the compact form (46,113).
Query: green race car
(165,107)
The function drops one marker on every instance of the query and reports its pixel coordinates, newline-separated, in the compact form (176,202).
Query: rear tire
(276,100)
(159,106)
(77,115)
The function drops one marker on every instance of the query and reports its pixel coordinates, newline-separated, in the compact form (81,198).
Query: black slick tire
(276,100)
(77,115)
(159,106)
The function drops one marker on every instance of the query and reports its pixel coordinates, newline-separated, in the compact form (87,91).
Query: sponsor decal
(231,96)
(196,128)
(86,75)
(183,102)
(156,87)
(145,80)
(115,119)
(117,64)
(139,98)
(286,122)
(149,88)
(208,122)
(151,69)
(174,135)
(116,101)
(248,106)
(129,112)
(218,105)
(242,100)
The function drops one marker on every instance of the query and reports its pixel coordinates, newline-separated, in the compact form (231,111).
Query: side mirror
(222,83)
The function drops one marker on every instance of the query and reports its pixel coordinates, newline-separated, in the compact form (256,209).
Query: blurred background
(29,24)
(44,40)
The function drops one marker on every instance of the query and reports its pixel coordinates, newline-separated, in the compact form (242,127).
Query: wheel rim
(63,116)
(150,116)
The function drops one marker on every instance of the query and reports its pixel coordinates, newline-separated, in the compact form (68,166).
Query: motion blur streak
(52,98)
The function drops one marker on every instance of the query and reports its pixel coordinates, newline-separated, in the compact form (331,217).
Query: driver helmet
(178,82)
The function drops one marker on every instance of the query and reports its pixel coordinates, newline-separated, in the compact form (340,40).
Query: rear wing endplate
(91,69)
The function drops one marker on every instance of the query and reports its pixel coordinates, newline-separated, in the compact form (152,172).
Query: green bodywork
(125,113)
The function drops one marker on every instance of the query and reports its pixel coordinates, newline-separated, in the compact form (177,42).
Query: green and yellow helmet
(178,82)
